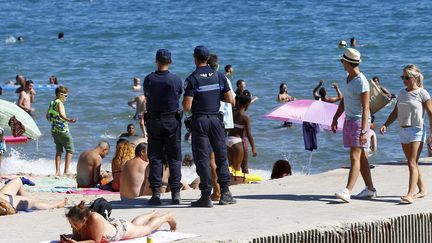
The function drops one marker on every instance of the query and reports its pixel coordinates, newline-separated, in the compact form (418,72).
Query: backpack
(102,207)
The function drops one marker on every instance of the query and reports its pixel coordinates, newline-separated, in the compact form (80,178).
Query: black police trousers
(208,133)
(164,144)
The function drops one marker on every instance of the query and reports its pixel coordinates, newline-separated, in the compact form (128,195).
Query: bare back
(134,179)
(88,168)
(140,105)
(96,228)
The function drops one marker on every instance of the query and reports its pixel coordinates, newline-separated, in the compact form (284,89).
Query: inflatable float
(36,87)
(248,178)
(12,139)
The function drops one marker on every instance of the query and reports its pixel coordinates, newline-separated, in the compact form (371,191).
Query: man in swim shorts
(89,165)
(355,103)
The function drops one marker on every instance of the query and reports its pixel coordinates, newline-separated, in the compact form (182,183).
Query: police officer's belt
(205,115)
(162,115)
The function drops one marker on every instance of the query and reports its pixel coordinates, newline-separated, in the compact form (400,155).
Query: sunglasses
(341,60)
(64,95)
(403,77)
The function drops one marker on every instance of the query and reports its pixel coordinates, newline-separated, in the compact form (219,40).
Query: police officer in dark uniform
(204,89)
(162,90)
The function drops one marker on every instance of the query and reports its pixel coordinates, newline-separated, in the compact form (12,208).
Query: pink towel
(90,191)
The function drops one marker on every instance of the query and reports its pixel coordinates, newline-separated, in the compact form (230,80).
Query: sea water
(107,43)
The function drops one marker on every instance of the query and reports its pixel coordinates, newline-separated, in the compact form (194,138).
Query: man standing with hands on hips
(204,89)
(162,90)
(355,103)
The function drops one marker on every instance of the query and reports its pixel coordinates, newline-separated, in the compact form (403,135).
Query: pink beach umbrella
(314,111)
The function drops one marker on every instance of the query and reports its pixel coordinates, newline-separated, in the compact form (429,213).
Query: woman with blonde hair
(412,102)
(124,152)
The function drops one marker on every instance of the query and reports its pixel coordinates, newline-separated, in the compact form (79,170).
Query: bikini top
(239,126)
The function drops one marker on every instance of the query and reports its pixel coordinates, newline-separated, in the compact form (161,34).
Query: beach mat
(89,191)
(160,236)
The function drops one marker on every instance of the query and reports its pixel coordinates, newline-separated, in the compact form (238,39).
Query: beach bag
(377,99)
(16,127)
(102,207)
(6,208)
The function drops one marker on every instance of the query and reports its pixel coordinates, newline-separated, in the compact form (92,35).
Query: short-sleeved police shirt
(162,90)
(206,86)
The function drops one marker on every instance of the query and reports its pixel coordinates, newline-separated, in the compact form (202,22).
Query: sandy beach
(274,207)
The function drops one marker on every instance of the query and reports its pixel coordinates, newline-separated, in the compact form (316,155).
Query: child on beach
(18,197)
(242,129)
(56,115)
(91,226)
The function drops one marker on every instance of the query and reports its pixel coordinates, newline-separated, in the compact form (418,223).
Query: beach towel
(16,127)
(89,191)
(52,184)
(159,236)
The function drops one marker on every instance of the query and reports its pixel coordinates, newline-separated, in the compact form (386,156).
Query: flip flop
(26,181)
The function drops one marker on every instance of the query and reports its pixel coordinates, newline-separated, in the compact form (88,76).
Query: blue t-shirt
(351,94)
(206,86)
(162,90)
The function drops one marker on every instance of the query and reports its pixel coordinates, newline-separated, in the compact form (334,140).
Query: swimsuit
(121,227)
(231,140)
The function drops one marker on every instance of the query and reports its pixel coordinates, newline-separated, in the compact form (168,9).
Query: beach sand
(273,207)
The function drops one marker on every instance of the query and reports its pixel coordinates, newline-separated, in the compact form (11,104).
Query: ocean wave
(10,40)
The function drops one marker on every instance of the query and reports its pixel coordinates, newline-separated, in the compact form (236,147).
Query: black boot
(226,197)
(155,199)
(203,202)
(175,198)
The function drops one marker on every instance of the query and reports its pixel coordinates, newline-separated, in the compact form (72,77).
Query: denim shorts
(351,134)
(412,134)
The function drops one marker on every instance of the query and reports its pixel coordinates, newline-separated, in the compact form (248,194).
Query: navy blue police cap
(201,51)
(163,54)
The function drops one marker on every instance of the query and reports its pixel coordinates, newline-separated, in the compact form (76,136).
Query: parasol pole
(310,162)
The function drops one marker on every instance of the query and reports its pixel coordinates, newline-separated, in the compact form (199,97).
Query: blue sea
(107,43)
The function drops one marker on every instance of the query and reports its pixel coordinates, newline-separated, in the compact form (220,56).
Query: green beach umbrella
(9,109)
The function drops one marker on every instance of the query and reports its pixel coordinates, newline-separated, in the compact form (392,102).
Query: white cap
(342,44)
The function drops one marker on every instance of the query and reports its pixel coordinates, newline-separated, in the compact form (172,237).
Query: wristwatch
(363,132)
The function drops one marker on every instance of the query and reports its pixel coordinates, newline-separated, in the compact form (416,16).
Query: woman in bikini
(237,151)
(124,151)
(91,226)
(14,193)
(283,95)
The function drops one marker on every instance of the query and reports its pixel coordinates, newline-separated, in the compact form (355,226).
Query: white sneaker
(344,195)
(366,193)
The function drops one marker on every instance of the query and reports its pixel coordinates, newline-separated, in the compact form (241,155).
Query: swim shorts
(63,140)
(351,134)
(412,134)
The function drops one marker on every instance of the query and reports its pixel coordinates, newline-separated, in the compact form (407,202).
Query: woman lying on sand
(91,226)
(18,197)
